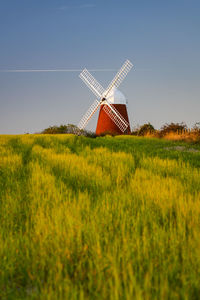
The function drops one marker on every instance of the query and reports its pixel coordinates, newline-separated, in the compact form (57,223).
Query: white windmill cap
(116,97)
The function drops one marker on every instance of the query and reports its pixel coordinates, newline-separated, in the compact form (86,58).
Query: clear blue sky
(160,37)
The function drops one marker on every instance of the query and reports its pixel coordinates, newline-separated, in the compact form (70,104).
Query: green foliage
(173,127)
(70,128)
(146,129)
(104,218)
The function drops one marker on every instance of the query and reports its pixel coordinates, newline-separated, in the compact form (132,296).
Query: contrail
(53,70)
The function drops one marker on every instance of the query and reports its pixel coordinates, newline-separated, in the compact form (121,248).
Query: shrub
(70,128)
(89,134)
(178,128)
(196,127)
(143,130)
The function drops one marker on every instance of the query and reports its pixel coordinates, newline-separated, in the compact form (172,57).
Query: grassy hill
(104,218)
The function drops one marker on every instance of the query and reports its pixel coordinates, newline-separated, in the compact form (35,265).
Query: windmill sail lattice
(92,83)
(88,115)
(120,76)
(102,95)
(116,117)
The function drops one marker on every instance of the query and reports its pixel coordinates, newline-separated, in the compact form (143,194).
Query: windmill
(113,116)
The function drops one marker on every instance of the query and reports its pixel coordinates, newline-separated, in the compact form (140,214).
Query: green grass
(104,218)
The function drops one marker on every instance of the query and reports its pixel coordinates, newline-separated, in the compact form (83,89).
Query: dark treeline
(168,130)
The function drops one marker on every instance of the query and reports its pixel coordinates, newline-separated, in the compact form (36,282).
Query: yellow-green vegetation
(104,218)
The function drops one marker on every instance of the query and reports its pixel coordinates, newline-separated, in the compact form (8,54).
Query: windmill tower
(113,116)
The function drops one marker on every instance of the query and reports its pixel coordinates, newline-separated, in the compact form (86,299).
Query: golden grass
(109,218)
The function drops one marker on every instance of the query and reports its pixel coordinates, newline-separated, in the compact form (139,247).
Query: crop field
(99,218)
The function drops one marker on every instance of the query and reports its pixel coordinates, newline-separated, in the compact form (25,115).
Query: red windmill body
(105,124)
(113,116)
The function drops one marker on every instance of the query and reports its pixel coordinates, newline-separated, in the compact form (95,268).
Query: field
(104,218)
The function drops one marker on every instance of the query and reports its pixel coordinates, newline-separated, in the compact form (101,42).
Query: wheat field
(105,218)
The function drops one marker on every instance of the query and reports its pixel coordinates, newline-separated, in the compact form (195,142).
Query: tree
(70,128)
(173,127)
(146,129)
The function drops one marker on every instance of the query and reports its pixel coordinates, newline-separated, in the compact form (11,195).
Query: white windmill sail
(120,76)
(92,83)
(88,115)
(116,117)
(99,91)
